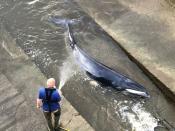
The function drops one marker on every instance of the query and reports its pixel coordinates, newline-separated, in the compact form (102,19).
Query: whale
(101,73)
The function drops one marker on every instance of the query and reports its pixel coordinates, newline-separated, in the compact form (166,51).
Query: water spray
(67,70)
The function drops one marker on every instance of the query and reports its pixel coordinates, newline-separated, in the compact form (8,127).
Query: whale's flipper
(140,93)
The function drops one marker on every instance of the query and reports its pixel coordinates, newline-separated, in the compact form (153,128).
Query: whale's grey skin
(101,73)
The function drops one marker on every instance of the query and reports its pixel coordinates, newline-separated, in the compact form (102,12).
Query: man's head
(51,82)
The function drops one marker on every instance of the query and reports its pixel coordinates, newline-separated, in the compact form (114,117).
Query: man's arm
(38,103)
(39,98)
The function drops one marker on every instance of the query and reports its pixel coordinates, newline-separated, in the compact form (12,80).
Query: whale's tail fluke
(58,21)
(71,37)
(65,23)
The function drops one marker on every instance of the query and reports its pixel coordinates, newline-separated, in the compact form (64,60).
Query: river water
(47,45)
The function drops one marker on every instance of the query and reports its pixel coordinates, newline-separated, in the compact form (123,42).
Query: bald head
(51,82)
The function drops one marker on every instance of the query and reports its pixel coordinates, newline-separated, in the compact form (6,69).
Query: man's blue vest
(50,98)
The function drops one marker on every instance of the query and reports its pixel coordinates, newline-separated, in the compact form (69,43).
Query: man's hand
(38,106)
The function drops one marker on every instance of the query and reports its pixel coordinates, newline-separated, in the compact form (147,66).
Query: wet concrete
(18,111)
(145,30)
(20,80)
(172,3)
(46,44)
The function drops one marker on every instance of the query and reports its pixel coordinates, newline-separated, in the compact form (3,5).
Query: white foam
(139,118)
(13,55)
(94,83)
(32,2)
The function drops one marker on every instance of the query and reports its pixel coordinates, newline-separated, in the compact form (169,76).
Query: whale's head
(135,88)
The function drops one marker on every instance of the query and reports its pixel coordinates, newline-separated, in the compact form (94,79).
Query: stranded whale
(103,74)
(100,72)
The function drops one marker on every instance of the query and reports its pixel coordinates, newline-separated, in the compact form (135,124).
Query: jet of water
(67,70)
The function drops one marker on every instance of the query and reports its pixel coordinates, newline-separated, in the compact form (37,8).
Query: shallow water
(47,45)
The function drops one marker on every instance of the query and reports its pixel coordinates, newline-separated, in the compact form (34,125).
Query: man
(49,99)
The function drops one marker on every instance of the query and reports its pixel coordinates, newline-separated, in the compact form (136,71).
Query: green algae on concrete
(145,30)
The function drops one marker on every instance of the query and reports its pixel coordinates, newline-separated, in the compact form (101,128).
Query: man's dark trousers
(53,126)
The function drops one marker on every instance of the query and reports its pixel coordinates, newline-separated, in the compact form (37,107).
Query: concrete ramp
(20,80)
(145,31)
